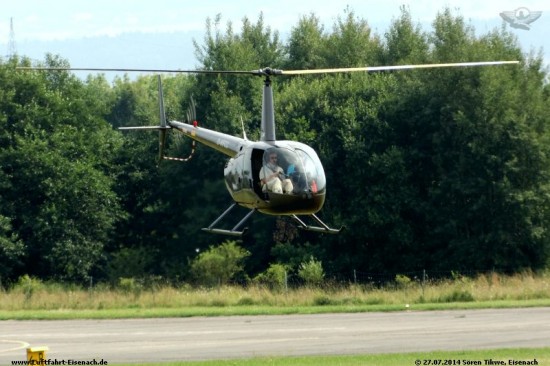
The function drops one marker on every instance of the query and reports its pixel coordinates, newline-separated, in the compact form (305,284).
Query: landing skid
(233,232)
(323,228)
(236,231)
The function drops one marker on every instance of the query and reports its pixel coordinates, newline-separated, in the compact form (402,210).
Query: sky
(160,34)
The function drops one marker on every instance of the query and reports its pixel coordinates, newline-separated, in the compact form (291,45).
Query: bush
(275,277)
(28,285)
(402,281)
(218,265)
(130,285)
(312,272)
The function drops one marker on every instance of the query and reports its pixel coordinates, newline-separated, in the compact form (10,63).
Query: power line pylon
(12,50)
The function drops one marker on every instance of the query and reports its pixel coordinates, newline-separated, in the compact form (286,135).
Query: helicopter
(295,185)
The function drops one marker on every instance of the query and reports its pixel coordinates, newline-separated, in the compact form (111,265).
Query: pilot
(273,178)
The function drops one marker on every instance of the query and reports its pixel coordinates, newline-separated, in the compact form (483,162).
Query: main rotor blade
(396,67)
(101,69)
(274,72)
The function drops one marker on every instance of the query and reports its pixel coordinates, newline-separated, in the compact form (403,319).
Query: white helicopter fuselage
(299,164)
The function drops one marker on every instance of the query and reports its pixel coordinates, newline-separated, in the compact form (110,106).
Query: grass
(478,357)
(32,299)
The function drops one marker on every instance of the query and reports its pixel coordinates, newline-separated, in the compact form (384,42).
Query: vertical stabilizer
(161,104)
(163,124)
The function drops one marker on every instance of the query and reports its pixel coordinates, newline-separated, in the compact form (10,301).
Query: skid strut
(235,231)
(323,228)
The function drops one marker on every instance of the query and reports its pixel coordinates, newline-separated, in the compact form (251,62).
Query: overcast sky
(139,33)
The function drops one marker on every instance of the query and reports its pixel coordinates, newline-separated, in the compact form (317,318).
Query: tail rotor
(192,120)
(165,126)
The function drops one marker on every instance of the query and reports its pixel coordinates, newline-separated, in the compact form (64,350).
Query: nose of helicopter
(297,203)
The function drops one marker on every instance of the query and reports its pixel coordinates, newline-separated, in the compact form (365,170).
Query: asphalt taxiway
(199,338)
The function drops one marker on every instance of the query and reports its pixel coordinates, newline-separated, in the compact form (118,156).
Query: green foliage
(323,300)
(130,285)
(292,255)
(275,277)
(12,249)
(441,169)
(457,296)
(305,44)
(351,43)
(405,41)
(28,285)
(402,280)
(219,264)
(129,263)
(311,272)
(57,158)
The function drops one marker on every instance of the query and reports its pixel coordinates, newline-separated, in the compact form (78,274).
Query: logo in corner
(521,18)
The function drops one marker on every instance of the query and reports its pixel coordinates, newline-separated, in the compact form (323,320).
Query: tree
(425,163)
(471,139)
(305,44)
(430,169)
(55,160)
(256,47)
(12,249)
(351,43)
(405,41)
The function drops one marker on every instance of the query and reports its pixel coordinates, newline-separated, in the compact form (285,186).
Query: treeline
(428,169)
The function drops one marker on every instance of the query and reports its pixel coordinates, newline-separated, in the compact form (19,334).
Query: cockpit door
(257,163)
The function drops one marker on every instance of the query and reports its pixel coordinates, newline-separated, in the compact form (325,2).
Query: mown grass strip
(439,358)
(247,310)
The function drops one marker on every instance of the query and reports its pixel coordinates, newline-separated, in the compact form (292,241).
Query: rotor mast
(267,132)
(268,113)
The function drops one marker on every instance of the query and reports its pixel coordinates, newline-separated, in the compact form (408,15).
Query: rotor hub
(268,71)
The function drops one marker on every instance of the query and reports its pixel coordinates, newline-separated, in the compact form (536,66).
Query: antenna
(12,50)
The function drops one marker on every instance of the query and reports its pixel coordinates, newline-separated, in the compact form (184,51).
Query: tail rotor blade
(193,110)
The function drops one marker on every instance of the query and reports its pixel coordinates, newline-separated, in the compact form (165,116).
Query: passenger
(273,178)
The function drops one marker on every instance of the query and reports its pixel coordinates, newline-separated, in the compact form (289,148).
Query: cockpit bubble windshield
(303,168)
